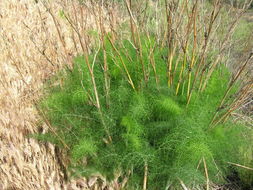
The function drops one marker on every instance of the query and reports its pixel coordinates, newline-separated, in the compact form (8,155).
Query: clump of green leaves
(147,125)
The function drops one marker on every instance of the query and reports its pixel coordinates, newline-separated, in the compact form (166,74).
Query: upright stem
(170,41)
(145,179)
(206,173)
(137,42)
(182,69)
(152,61)
(106,77)
(213,18)
(92,76)
(59,34)
(193,52)
(191,20)
(214,15)
(129,7)
(122,62)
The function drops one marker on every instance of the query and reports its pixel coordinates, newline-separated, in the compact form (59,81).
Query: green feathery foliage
(149,125)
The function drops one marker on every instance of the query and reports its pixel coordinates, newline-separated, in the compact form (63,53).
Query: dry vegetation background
(35,42)
(31,50)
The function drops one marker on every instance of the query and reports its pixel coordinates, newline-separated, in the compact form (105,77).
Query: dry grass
(31,50)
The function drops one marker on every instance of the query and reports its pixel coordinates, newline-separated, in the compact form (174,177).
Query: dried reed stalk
(136,37)
(145,179)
